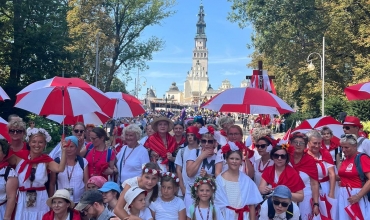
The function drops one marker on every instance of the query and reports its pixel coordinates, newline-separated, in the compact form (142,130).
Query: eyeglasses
(78,131)
(86,209)
(283,204)
(279,156)
(203,141)
(346,127)
(13,131)
(262,146)
(297,143)
(233,134)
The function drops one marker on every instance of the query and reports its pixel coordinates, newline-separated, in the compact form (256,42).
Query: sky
(226,43)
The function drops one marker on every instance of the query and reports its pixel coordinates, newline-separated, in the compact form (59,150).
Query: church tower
(197,81)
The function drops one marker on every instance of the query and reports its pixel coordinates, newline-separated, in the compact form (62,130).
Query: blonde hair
(17,123)
(257,133)
(225,120)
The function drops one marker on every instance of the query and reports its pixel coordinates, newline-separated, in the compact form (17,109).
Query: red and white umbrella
(247,100)
(358,92)
(123,105)
(319,123)
(4,130)
(3,95)
(61,96)
(95,118)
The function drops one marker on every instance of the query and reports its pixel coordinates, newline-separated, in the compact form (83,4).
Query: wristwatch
(316,204)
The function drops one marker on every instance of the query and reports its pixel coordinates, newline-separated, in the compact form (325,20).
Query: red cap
(193,130)
(352,120)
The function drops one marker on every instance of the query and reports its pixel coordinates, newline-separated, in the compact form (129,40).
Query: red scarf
(44,158)
(182,141)
(50,215)
(325,157)
(332,146)
(289,177)
(223,132)
(307,165)
(156,144)
(240,211)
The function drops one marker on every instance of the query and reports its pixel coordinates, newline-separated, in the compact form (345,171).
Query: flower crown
(34,131)
(208,129)
(172,175)
(200,181)
(231,146)
(151,171)
(286,146)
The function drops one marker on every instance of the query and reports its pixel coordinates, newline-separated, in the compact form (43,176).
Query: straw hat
(60,194)
(162,118)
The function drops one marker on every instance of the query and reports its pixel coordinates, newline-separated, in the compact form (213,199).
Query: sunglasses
(13,131)
(78,131)
(262,146)
(279,156)
(283,204)
(207,141)
(346,127)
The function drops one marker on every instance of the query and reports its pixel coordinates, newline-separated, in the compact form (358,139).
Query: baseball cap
(97,180)
(88,198)
(131,194)
(108,186)
(282,192)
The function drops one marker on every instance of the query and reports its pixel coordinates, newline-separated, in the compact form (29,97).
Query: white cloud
(157,74)
(177,50)
(231,73)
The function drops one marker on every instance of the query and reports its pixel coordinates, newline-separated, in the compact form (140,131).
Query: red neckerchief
(286,178)
(155,143)
(3,164)
(223,132)
(182,141)
(325,157)
(332,146)
(44,158)
(240,211)
(307,164)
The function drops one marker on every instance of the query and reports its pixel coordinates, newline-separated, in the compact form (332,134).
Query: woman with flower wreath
(281,173)
(203,194)
(264,145)
(202,162)
(32,168)
(148,181)
(162,143)
(236,195)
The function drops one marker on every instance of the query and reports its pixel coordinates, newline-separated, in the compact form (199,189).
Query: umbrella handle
(347,188)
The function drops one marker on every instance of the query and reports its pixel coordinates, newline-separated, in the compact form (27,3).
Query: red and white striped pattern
(95,118)
(61,96)
(248,100)
(4,130)
(123,105)
(319,123)
(3,95)
(358,92)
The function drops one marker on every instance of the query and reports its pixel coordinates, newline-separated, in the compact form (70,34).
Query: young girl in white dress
(168,206)
(203,208)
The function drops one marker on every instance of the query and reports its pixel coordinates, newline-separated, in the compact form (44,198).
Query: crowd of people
(164,168)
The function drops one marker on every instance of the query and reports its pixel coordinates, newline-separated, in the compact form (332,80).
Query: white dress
(40,208)
(12,173)
(305,206)
(167,210)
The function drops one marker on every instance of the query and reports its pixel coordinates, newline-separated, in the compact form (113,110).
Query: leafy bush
(366,125)
(360,109)
(335,105)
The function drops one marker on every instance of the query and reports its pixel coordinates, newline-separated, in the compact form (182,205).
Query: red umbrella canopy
(358,92)
(123,105)
(61,96)
(4,130)
(3,95)
(247,100)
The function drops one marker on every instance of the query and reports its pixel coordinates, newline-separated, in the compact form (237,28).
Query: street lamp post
(311,67)
(137,84)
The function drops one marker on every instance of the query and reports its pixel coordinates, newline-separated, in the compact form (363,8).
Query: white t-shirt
(364,146)
(167,210)
(258,166)
(132,167)
(204,212)
(144,214)
(264,212)
(76,182)
(12,173)
(209,167)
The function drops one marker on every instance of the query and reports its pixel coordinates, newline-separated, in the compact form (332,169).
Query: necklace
(95,162)
(124,159)
(200,213)
(69,176)
(264,167)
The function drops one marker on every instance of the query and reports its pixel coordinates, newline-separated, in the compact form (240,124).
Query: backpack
(109,153)
(6,174)
(192,210)
(361,173)
(80,161)
(271,210)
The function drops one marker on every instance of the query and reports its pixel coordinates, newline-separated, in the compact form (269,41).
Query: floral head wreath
(151,171)
(232,146)
(200,181)
(172,175)
(34,131)
(286,146)
(205,130)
